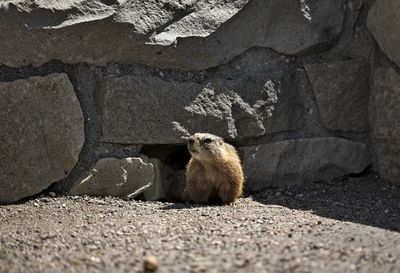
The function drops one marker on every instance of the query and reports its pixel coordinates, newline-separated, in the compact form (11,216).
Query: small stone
(278,194)
(98,202)
(195,264)
(52,194)
(150,264)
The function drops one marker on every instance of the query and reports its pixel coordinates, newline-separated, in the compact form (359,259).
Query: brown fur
(214,173)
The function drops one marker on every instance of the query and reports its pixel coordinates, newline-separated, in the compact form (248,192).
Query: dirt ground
(350,225)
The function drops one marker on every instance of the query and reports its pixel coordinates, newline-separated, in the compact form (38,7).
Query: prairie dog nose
(191,140)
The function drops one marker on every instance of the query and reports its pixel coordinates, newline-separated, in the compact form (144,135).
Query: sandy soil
(350,225)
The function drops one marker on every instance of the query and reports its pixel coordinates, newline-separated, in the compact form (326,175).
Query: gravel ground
(350,225)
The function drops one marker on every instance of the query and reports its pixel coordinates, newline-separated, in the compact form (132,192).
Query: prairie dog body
(214,173)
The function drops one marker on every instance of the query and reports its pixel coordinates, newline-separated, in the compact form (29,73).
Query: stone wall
(384,108)
(97,97)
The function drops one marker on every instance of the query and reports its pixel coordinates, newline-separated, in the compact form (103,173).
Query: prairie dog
(214,172)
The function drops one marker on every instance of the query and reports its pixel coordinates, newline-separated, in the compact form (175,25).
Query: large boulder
(383,22)
(385,123)
(291,162)
(149,110)
(190,35)
(341,91)
(42,133)
(127,178)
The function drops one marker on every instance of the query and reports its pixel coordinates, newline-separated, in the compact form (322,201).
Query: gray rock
(126,177)
(42,133)
(312,126)
(42,14)
(148,110)
(355,41)
(292,162)
(385,123)
(190,35)
(383,22)
(341,90)
(157,189)
(289,27)
(195,19)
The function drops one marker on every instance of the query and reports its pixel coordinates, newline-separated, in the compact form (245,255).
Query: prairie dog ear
(220,141)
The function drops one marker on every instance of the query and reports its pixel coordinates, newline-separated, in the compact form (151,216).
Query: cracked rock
(148,110)
(291,162)
(126,178)
(383,22)
(341,90)
(189,35)
(385,123)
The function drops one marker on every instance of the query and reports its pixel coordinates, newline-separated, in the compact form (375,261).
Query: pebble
(150,264)
(98,202)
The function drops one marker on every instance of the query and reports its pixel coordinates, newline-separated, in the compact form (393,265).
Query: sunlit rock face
(189,35)
(287,82)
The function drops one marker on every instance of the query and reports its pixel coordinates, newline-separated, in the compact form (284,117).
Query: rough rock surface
(290,162)
(341,90)
(42,133)
(157,190)
(148,110)
(190,35)
(385,123)
(383,22)
(126,177)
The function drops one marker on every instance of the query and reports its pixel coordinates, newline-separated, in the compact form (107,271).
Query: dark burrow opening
(175,156)
(174,159)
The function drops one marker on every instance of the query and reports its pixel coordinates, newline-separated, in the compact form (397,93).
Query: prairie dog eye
(207,141)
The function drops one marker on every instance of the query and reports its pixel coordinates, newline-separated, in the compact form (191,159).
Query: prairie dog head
(206,147)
